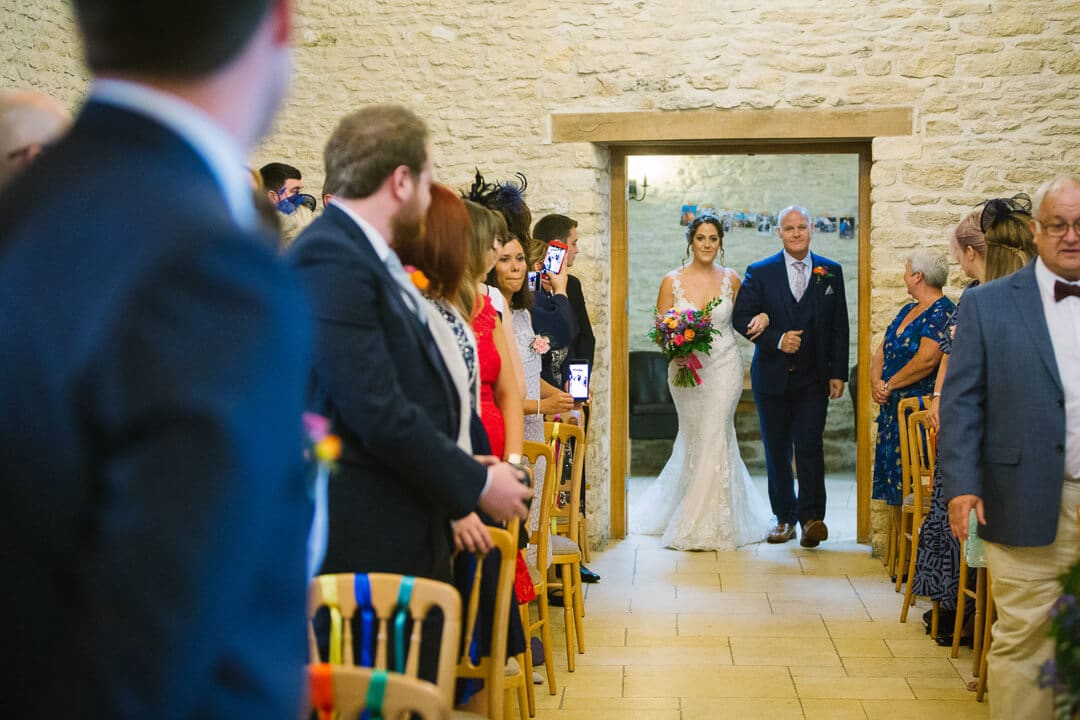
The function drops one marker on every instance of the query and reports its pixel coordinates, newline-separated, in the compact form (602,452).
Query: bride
(704,498)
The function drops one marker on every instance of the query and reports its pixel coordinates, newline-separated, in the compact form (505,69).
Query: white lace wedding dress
(704,498)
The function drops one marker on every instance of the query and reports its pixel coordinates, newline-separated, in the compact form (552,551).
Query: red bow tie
(1063,290)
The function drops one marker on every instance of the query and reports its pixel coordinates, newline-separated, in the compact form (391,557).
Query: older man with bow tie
(1010,442)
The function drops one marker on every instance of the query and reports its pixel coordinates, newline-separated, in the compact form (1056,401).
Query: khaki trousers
(1025,586)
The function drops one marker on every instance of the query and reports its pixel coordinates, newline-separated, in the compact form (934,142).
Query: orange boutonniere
(419,279)
(822,273)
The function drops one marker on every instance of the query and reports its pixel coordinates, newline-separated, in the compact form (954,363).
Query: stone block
(930,64)
(877,67)
(796,64)
(897,148)
(937,176)
(943,127)
(1013,63)
(932,219)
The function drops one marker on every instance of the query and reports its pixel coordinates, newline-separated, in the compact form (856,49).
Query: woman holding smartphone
(509,275)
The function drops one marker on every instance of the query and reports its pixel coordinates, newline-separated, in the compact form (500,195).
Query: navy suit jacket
(152,366)
(1003,412)
(380,379)
(765,289)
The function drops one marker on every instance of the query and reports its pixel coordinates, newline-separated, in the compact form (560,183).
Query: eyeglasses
(1058,229)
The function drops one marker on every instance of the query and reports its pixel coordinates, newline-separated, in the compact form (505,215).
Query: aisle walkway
(768,631)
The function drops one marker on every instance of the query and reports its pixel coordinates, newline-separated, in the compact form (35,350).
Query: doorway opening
(745,189)
(841,186)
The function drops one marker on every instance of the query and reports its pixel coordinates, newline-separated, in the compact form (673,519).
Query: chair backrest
(492,668)
(921,446)
(568,498)
(386,603)
(340,691)
(541,537)
(904,408)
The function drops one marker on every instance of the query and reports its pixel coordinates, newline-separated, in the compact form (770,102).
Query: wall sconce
(632,189)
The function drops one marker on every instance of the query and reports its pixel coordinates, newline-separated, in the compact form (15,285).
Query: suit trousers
(1025,586)
(793,424)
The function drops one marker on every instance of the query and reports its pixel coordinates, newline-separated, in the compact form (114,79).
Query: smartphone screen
(534,281)
(556,254)
(579,379)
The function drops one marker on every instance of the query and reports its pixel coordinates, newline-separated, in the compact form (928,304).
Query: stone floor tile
(833,709)
(927,710)
(854,688)
(716,708)
(786,626)
(702,682)
(784,651)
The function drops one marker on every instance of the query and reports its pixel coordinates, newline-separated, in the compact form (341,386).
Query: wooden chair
(492,668)
(540,538)
(922,448)
(899,517)
(391,600)
(566,555)
(971,557)
(988,625)
(563,521)
(340,691)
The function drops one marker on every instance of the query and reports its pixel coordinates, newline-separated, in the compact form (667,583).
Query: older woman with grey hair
(906,362)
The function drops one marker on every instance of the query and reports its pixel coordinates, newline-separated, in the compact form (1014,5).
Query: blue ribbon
(401,616)
(362,593)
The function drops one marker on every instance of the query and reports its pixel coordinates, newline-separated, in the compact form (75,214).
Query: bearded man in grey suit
(1010,442)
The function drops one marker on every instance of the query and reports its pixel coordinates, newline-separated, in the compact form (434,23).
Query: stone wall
(993,85)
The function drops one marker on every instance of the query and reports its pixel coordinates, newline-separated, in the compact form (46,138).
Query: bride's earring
(721,255)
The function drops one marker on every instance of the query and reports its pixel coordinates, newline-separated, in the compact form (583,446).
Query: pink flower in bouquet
(541,344)
(678,340)
(316,426)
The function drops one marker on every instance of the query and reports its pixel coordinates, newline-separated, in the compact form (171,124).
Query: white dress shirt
(1063,321)
(793,272)
(205,135)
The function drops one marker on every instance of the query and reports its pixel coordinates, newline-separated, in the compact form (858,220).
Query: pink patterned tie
(800,279)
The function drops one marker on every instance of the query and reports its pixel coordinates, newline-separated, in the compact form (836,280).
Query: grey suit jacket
(1003,412)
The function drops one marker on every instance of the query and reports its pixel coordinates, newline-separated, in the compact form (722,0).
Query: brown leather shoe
(782,533)
(813,532)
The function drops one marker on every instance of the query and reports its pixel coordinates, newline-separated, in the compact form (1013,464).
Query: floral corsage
(541,344)
(822,273)
(419,279)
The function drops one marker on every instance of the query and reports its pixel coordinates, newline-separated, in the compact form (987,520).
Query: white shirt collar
(378,242)
(1046,279)
(209,140)
(789,260)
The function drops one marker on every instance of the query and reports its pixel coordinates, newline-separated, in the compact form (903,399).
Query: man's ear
(274,197)
(402,183)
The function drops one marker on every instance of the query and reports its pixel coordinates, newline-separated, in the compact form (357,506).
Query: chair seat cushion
(562,545)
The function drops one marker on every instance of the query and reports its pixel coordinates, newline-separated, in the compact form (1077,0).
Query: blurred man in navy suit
(152,369)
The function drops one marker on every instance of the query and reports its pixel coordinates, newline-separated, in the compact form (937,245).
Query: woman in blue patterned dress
(906,362)
(991,242)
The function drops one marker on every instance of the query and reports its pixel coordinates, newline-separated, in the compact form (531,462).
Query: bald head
(28,120)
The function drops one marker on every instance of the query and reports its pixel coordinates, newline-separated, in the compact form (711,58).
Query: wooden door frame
(707,132)
(620,337)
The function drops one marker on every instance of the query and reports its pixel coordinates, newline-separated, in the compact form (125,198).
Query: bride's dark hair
(699,220)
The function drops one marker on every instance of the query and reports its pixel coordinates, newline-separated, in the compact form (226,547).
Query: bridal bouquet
(682,333)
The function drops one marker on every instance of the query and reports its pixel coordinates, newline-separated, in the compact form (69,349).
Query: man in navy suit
(800,363)
(402,480)
(1009,447)
(152,367)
